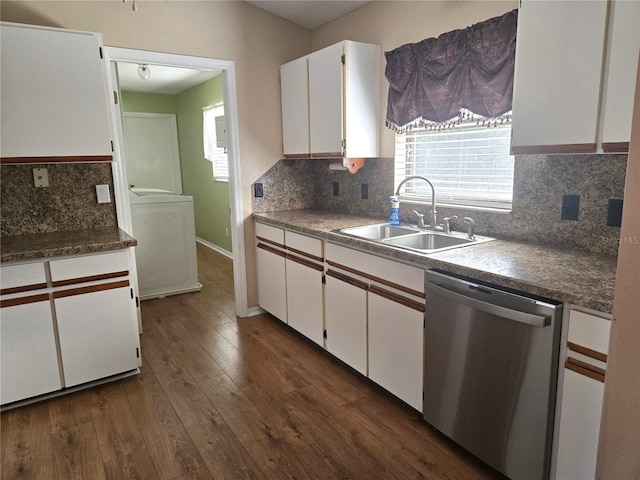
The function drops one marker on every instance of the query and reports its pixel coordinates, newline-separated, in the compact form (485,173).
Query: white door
(151,149)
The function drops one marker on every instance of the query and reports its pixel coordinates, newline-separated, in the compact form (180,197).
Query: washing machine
(164,226)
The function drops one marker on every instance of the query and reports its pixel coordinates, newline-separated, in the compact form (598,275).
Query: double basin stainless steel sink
(411,238)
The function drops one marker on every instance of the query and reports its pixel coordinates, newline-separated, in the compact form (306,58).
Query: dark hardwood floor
(220,397)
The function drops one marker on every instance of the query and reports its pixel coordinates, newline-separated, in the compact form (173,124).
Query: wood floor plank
(76,453)
(223,454)
(116,428)
(169,445)
(26,443)
(191,354)
(273,455)
(136,465)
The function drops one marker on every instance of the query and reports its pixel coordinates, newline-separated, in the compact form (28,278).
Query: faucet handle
(446,225)
(420,218)
(472,226)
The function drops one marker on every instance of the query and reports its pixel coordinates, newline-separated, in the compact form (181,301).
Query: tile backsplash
(540,183)
(68,203)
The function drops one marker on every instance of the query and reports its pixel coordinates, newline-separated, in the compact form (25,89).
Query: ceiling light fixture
(143,71)
(134,6)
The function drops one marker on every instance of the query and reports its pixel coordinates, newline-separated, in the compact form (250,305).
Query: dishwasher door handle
(503,312)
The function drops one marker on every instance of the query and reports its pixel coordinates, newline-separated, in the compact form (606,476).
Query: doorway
(115,55)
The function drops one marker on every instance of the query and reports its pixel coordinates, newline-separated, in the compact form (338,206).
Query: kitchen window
(449,103)
(469,164)
(215,154)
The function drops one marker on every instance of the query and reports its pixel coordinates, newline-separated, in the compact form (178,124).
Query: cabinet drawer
(89,268)
(377,268)
(268,232)
(304,244)
(22,278)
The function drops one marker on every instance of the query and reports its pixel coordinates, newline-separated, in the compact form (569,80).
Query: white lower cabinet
(582,391)
(29,357)
(97,334)
(305,311)
(346,319)
(270,263)
(374,315)
(396,347)
(65,322)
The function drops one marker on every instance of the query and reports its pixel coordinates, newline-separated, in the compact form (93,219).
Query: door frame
(227,67)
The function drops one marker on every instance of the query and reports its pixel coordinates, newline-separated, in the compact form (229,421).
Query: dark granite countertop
(581,278)
(75,242)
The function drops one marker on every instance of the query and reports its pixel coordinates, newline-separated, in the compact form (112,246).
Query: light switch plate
(102,194)
(40,177)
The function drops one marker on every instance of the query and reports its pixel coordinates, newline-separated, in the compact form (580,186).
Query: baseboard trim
(253,311)
(216,248)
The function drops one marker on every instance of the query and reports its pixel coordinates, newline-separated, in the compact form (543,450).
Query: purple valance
(472,68)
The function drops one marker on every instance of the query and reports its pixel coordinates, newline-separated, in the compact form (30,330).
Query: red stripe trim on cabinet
(91,278)
(90,289)
(43,297)
(60,159)
(23,288)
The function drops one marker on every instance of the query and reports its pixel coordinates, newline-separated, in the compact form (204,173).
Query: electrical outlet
(40,177)
(364,194)
(570,207)
(258,191)
(336,189)
(102,194)
(614,212)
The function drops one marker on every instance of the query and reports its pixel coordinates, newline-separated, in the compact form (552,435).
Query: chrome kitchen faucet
(434,222)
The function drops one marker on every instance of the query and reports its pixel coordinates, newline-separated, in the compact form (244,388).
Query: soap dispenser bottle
(394,216)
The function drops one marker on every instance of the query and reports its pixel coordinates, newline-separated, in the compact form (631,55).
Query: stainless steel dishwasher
(490,372)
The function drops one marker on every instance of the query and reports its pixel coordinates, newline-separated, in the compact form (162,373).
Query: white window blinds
(216,155)
(469,165)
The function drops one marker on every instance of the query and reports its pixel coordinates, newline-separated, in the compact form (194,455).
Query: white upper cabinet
(574,76)
(54,96)
(619,82)
(330,103)
(294,81)
(559,52)
(325,101)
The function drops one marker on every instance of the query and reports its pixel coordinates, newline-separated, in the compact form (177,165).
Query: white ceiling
(309,13)
(166,80)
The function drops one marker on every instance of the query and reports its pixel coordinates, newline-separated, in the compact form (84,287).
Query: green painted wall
(210,199)
(149,102)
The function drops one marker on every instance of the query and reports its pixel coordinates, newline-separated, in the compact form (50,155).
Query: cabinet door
(395,348)
(272,293)
(97,333)
(54,95)
(326,101)
(294,84)
(579,426)
(620,77)
(28,357)
(346,320)
(305,310)
(558,71)
(362,109)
